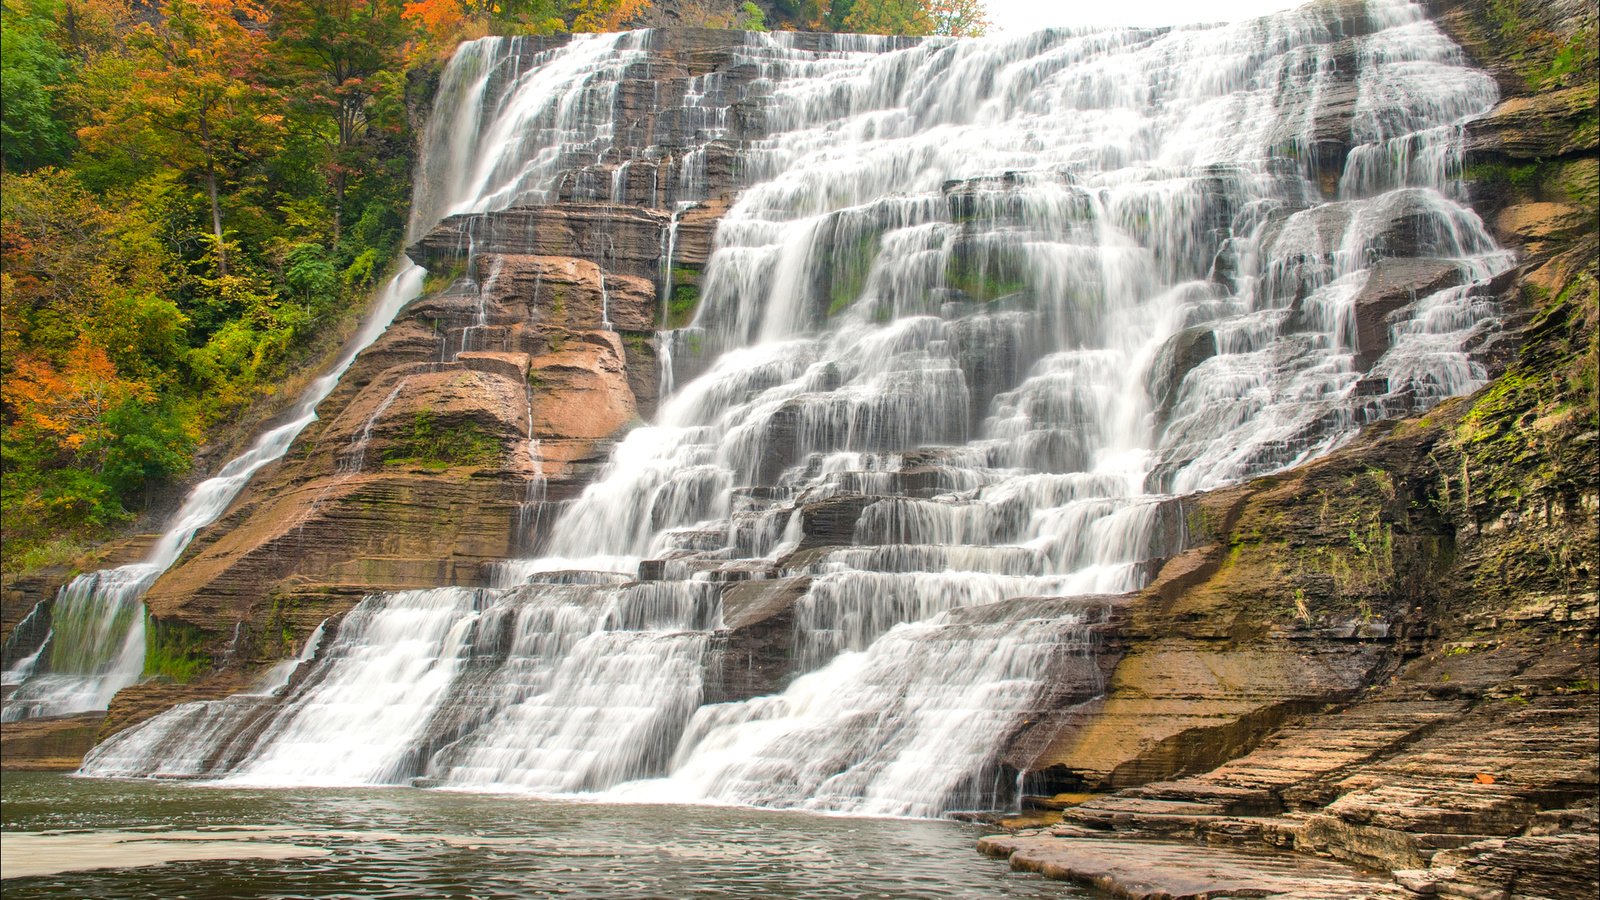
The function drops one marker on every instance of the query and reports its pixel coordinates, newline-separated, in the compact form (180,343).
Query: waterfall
(981,311)
(96,644)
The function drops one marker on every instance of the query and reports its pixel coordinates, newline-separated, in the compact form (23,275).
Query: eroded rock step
(1152,870)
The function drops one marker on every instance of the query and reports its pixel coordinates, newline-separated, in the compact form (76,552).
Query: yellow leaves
(918,18)
(606,15)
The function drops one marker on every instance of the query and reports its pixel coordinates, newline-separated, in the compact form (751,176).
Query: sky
(1012,16)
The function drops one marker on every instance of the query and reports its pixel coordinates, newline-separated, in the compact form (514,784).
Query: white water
(96,647)
(946,295)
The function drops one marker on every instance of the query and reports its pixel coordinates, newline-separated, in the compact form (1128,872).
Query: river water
(402,842)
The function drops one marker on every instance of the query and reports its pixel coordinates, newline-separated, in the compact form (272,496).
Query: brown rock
(1147,870)
(1536,223)
(48,745)
(626,238)
(1539,127)
(565,292)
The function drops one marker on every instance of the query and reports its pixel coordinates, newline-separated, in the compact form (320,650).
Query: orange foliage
(70,405)
(436,16)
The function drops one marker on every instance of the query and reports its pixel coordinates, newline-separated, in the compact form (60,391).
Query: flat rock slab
(1154,870)
(30,854)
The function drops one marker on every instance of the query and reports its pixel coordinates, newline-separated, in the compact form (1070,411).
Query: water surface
(402,842)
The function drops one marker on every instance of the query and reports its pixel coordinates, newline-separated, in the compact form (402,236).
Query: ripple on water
(405,843)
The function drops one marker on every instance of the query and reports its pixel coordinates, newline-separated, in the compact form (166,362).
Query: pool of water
(403,842)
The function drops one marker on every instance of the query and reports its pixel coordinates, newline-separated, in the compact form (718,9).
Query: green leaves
(32,69)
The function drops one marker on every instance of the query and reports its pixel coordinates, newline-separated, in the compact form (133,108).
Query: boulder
(1393,285)
(1176,358)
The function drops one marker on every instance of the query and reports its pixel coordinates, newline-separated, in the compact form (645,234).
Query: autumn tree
(70,404)
(605,15)
(88,28)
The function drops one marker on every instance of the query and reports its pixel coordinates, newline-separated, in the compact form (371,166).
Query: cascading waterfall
(96,644)
(956,306)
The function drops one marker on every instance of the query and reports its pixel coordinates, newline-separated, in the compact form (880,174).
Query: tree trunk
(211,192)
(338,206)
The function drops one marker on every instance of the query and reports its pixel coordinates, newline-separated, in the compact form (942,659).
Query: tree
(191,98)
(32,67)
(914,18)
(70,406)
(338,60)
(605,15)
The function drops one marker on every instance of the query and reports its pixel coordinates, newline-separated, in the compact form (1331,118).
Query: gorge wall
(1025,431)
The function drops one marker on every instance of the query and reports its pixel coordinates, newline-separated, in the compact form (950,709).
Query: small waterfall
(903,728)
(355,458)
(981,311)
(96,646)
(193,739)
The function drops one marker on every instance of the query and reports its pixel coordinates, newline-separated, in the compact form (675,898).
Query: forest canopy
(197,197)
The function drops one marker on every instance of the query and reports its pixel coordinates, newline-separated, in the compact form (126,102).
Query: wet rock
(697,227)
(624,240)
(1181,353)
(752,655)
(1393,285)
(831,522)
(27,625)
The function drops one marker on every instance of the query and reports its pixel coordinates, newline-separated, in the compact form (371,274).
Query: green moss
(681,306)
(849,267)
(442,279)
(174,651)
(1576,58)
(986,276)
(434,446)
(1525,177)
(278,625)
